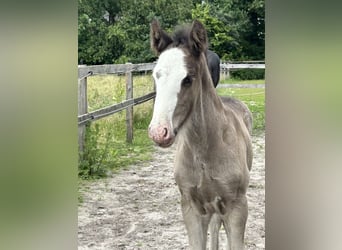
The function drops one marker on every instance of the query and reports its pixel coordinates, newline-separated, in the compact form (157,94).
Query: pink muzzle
(161,134)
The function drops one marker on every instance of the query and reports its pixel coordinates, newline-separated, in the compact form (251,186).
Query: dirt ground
(139,208)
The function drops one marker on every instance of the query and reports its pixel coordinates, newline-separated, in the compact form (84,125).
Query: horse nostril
(165,132)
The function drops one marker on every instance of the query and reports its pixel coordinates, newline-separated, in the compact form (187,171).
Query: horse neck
(207,111)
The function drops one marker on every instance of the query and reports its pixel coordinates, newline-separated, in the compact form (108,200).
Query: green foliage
(253,35)
(248,74)
(135,21)
(106,148)
(95,39)
(218,32)
(117,31)
(94,160)
(235,28)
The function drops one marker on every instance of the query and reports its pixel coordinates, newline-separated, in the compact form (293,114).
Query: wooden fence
(86,71)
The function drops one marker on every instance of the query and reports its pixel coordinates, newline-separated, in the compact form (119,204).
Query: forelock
(181,36)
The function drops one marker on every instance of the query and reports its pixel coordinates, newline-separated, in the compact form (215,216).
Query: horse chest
(207,188)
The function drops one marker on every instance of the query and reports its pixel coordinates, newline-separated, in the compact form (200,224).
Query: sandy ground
(139,208)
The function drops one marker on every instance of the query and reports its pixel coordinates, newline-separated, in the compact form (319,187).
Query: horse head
(178,76)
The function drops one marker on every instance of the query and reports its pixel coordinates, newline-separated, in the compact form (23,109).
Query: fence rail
(85,71)
(112,109)
(230,66)
(241,86)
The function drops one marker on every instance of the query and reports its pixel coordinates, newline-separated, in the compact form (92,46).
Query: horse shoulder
(236,136)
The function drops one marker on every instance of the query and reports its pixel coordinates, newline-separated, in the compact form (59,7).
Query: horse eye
(187,81)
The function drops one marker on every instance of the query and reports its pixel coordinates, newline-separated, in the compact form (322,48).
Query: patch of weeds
(93,162)
(106,149)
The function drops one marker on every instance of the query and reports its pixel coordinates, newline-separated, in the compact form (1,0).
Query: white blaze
(168,75)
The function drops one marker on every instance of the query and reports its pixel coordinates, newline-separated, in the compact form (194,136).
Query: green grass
(254,98)
(232,80)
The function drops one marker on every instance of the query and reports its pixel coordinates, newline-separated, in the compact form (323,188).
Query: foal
(214,152)
(213,61)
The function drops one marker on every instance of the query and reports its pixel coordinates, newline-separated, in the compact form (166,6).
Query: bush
(248,74)
(93,162)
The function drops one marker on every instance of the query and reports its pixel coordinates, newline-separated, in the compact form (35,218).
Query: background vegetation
(117,31)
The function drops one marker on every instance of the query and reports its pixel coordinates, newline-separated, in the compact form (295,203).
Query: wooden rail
(84,117)
(127,69)
(227,67)
(114,68)
(241,86)
(100,113)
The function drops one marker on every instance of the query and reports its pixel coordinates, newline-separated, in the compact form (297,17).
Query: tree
(254,34)
(135,20)
(219,34)
(97,44)
(246,17)
(246,21)
(117,31)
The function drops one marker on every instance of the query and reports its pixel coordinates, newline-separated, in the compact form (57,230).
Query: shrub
(93,162)
(248,74)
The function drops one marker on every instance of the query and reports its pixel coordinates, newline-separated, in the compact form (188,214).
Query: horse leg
(214,228)
(196,225)
(235,223)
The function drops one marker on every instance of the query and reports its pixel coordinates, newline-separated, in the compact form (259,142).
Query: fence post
(82,109)
(223,74)
(129,110)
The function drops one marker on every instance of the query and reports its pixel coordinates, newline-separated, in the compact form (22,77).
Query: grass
(233,80)
(106,148)
(254,98)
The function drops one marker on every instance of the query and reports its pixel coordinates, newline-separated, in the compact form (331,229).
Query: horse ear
(198,38)
(159,38)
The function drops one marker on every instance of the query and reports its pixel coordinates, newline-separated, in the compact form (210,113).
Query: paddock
(139,207)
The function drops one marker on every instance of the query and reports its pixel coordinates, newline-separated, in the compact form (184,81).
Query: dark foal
(213,61)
